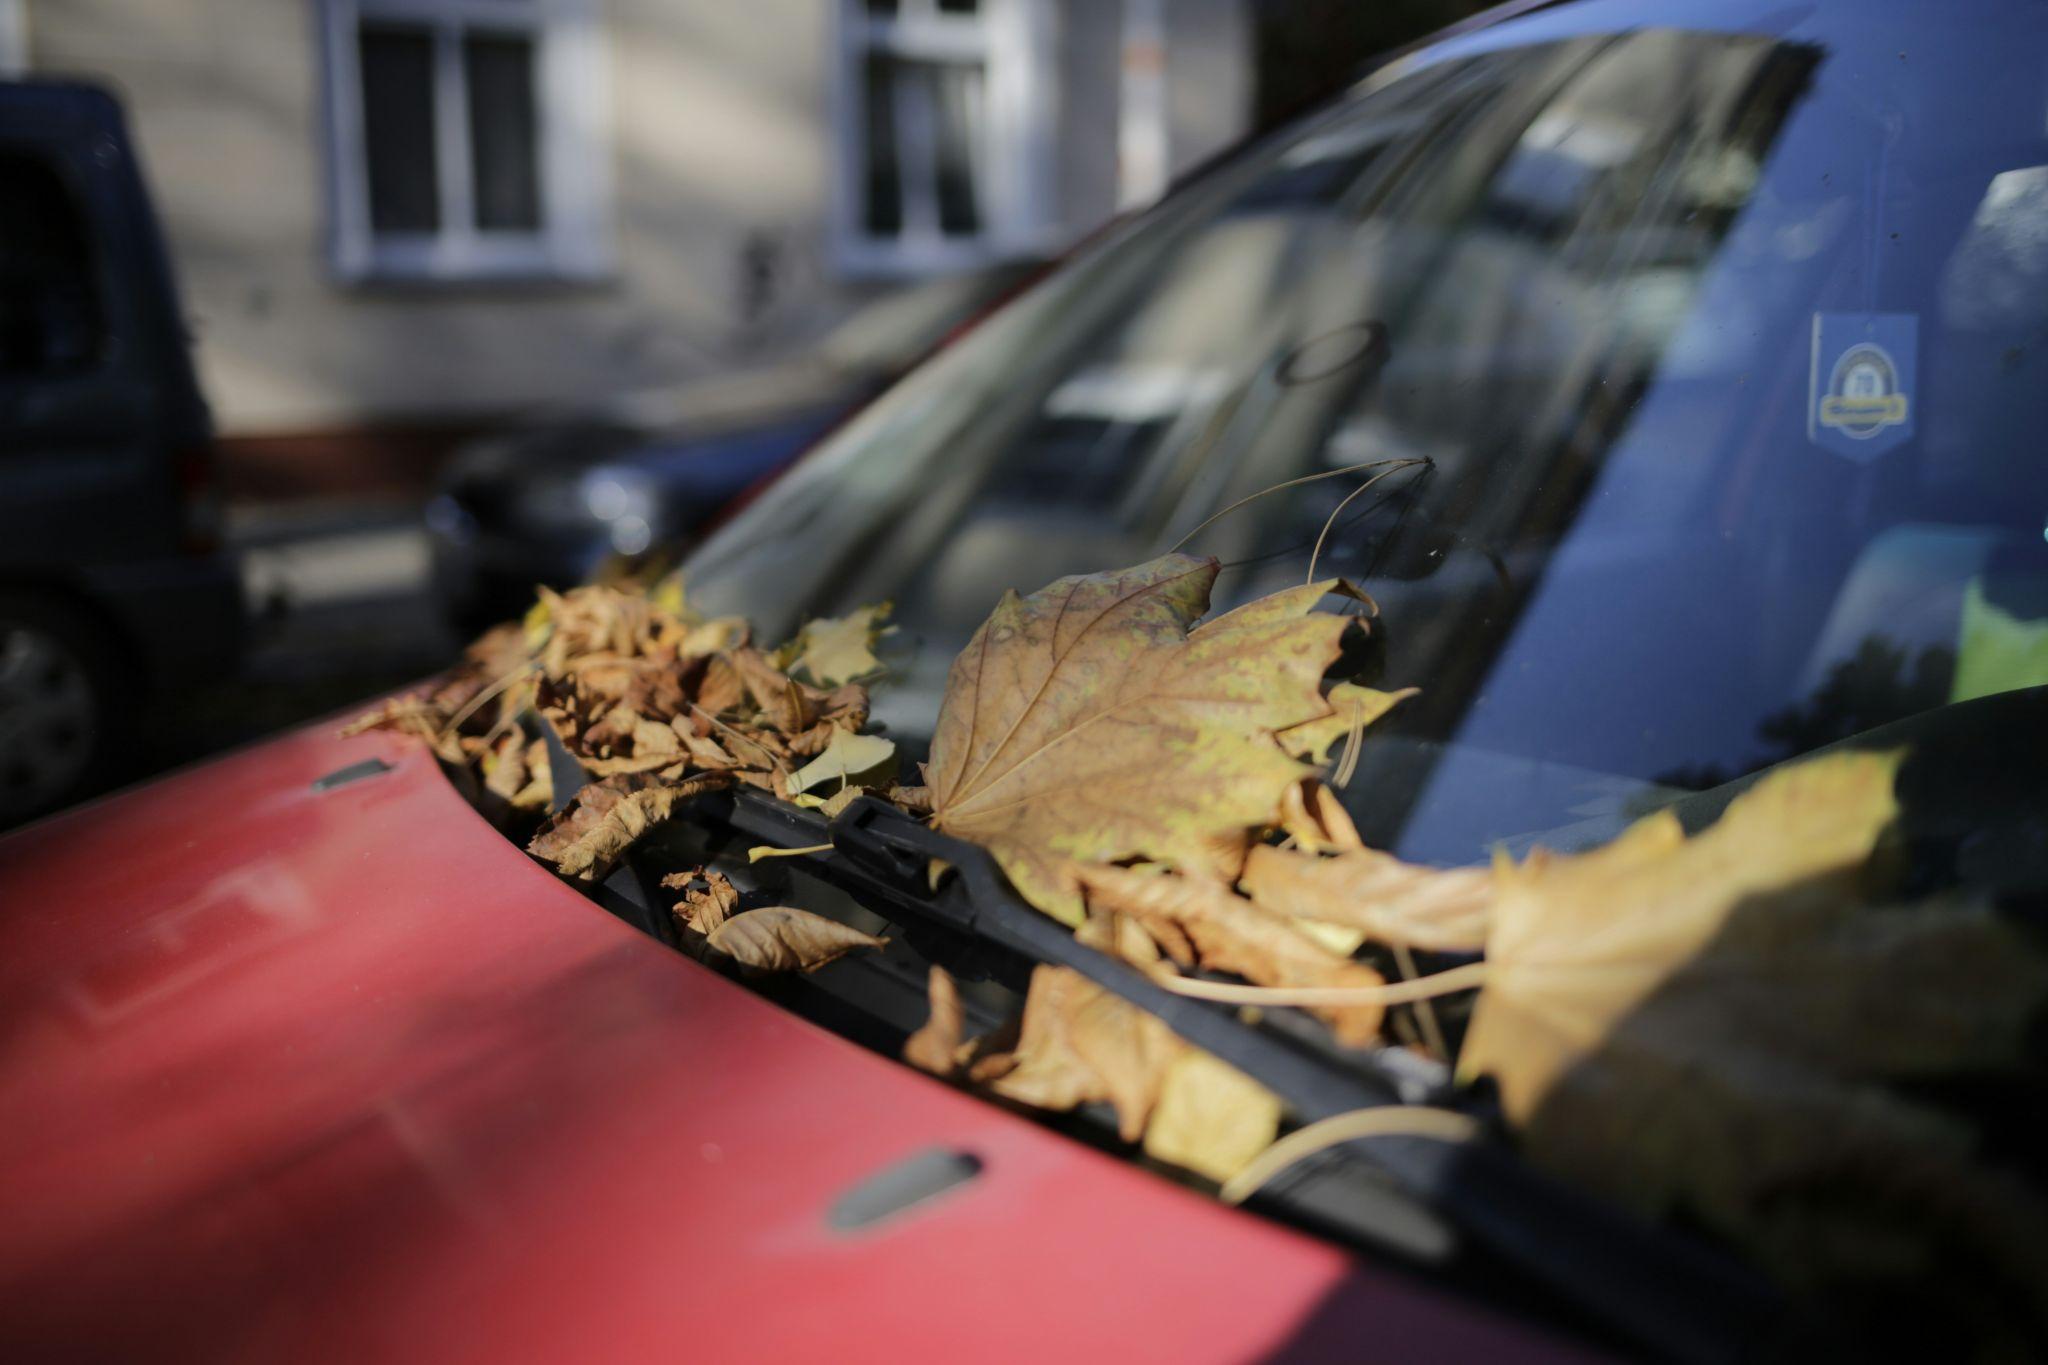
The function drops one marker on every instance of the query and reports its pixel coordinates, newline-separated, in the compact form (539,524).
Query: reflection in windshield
(1595,292)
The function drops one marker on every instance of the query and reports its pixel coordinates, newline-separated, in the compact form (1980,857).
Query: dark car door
(96,395)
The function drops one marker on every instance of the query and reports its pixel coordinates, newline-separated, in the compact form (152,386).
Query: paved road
(339,611)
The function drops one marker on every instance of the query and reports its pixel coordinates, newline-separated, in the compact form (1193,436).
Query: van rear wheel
(57,687)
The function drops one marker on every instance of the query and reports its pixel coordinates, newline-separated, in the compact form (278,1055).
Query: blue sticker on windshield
(1861,394)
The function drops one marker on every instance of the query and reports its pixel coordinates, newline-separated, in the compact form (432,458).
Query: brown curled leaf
(781,938)
(936,1046)
(1230,934)
(606,818)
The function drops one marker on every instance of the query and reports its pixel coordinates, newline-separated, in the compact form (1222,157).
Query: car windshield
(1703,368)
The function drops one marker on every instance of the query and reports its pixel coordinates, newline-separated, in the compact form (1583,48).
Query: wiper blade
(1681,1298)
(891,852)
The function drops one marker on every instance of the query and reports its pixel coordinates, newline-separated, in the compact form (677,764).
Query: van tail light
(199,495)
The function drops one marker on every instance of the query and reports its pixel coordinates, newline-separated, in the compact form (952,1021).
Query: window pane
(50,313)
(502,130)
(883,211)
(398,127)
(959,148)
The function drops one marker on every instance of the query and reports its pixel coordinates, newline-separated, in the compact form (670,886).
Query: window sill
(474,282)
(429,263)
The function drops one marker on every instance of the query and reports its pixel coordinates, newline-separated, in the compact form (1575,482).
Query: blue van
(113,583)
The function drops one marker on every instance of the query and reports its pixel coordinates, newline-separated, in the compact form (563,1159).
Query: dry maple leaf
(936,1046)
(1351,706)
(1088,722)
(941,1046)
(1211,1118)
(1710,1024)
(1312,816)
(1440,909)
(1127,1048)
(782,938)
(1077,1043)
(584,841)
(1578,941)
(1231,934)
(1045,1069)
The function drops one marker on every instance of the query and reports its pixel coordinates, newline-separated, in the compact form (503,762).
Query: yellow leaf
(781,938)
(1087,722)
(1724,1027)
(849,760)
(1341,939)
(539,619)
(712,637)
(669,594)
(834,650)
(1579,941)
(1212,1119)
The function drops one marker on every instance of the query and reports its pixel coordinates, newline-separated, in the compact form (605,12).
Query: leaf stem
(1425,1013)
(1386,1120)
(1291,483)
(1463,978)
(1337,511)
(476,702)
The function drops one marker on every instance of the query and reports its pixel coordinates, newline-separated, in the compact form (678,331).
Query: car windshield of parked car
(1704,371)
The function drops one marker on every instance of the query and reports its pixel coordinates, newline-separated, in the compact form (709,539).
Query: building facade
(394,219)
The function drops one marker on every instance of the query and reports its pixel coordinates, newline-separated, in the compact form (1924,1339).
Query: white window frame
(1015,41)
(13,37)
(574,241)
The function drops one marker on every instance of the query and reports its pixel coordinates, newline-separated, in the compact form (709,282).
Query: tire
(63,708)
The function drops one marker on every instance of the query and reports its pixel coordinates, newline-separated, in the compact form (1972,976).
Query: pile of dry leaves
(1711,1026)
(658,706)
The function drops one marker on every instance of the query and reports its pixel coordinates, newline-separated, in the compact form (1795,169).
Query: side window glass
(52,318)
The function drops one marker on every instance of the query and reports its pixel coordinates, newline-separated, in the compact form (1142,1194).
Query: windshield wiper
(1682,1298)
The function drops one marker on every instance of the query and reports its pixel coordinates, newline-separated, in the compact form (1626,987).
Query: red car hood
(298,1075)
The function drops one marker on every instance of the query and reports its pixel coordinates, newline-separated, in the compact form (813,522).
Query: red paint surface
(297,1076)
